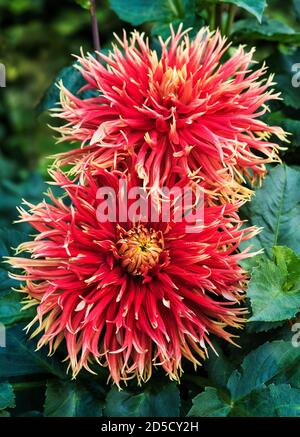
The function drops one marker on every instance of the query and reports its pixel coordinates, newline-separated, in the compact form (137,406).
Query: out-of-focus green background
(37,39)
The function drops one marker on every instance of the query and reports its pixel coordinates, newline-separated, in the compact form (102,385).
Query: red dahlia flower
(193,109)
(130,295)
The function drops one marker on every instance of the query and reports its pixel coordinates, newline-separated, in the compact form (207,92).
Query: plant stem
(230,18)
(176,7)
(219,17)
(95,29)
(212,18)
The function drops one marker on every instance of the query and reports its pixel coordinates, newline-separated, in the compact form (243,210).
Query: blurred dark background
(37,39)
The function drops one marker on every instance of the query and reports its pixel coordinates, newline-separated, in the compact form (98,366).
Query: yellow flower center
(140,249)
(171,81)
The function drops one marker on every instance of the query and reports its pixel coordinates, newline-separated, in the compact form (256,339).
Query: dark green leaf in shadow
(70,399)
(154,401)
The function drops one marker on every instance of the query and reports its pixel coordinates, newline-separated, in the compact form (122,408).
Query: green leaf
(9,240)
(297,8)
(11,309)
(293,127)
(209,404)
(154,401)
(138,12)
(85,4)
(7,397)
(276,208)
(282,62)
(4,413)
(5,282)
(252,327)
(253,261)
(291,376)
(272,401)
(274,288)
(72,79)
(18,345)
(261,365)
(70,399)
(190,21)
(268,30)
(255,7)
(289,264)
(12,192)
(288,124)
(218,367)
(290,94)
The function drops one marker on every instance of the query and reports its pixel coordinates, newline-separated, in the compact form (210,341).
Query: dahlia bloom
(183,111)
(130,295)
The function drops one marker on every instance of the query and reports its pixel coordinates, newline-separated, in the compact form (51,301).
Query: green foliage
(4,413)
(218,367)
(9,240)
(160,12)
(276,208)
(72,79)
(32,362)
(273,401)
(137,12)
(141,11)
(289,125)
(10,301)
(291,95)
(11,310)
(255,7)
(7,397)
(257,327)
(260,366)
(269,30)
(250,391)
(274,289)
(85,4)
(16,184)
(154,401)
(292,126)
(70,399)
(209,404)
(37,41)
(297,7)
